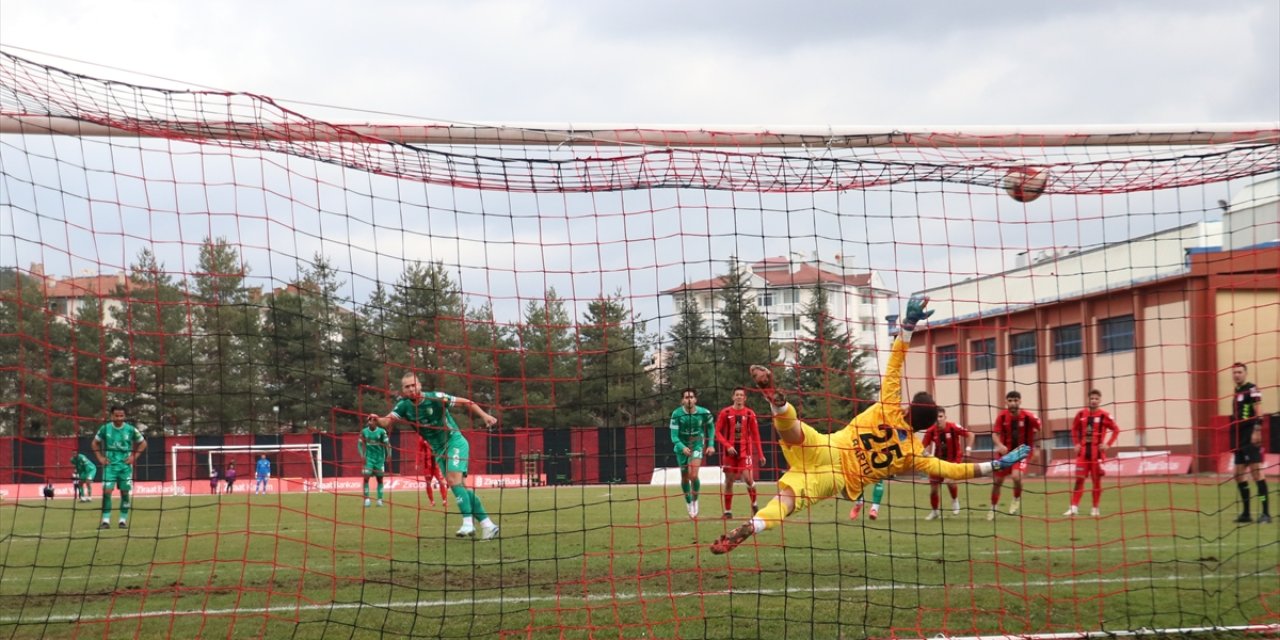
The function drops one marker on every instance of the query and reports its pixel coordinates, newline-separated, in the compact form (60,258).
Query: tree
(228,382)
(616,390)
(34,354)
(151,371)
(303,333)
(744,330)
(549,365)
(691,353)
(424,322)
(829,368)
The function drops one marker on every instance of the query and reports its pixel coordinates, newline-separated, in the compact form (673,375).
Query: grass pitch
(625,561)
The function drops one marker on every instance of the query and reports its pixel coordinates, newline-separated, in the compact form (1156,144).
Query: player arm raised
(966,470)
(475,410)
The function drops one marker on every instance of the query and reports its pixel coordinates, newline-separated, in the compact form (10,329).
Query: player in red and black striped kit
(1014,426)
(738,433)
(1246,441)
(951,442)
(1093,432)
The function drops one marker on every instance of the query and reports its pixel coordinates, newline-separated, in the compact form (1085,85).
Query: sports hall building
(1155,323)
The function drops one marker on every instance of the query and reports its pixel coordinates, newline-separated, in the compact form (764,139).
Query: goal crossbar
(674,136)
(313,451)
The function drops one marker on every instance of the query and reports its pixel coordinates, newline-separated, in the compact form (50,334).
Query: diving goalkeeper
(876,444)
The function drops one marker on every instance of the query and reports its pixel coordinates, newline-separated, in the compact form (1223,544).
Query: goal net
(298,463)
(242,277)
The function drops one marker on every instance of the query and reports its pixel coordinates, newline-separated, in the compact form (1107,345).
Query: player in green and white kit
(373,445)
(693,430)
(429,414)
(85,473)
(117,445)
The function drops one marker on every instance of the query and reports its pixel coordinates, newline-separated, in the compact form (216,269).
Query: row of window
(1067,341)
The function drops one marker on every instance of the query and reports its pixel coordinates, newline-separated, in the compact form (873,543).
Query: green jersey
(376,444)
(117,443)
(431,418)
(83,465)
(694,430)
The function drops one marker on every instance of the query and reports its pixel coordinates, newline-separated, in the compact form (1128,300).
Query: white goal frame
(313,449)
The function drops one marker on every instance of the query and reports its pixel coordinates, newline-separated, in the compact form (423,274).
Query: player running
(117,446)
(874,445)
(950,442)
(1088,430)
(1014,427)
(692,432)
(373,446)
(738,432)
(429,413)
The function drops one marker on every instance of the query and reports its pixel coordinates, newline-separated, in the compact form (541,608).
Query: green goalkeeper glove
(1013,457)
(915,312)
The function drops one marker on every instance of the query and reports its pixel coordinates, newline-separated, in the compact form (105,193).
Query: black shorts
(1251,454)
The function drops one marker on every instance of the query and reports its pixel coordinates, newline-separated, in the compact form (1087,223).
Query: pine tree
(744,330)
(691,354)
(151,348)
(302,335)
(423,324)
(550,365)
(830,369)
(228,389)
(616,390)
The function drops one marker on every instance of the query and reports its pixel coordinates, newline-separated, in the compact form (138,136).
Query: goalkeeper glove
(1013,457)
(915,312)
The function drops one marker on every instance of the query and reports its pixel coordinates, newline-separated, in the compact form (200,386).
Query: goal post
(312,452)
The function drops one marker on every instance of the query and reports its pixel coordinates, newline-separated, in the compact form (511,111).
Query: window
(983,442)
(766,299)
(1062,439)
(775,325)
(1023,348)
(1067,342)
(1115,334)
(984,354)
(948,360)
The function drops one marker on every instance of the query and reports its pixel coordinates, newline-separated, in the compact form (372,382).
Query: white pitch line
(1105,549)
(419,604)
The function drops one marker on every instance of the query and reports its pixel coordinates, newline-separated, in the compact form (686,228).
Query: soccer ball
(1025,184)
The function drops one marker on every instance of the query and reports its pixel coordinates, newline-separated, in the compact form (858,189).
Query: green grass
(624,561)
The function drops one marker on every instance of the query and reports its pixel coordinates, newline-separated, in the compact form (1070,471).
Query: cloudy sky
(666,62)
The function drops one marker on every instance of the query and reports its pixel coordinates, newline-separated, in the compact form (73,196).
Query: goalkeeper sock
(379,489)
(477,507)
(1262,497)
(1244,495)
(463,499)
(124,505)
(769,515)
(684,486)
(106,506)
(697,487)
